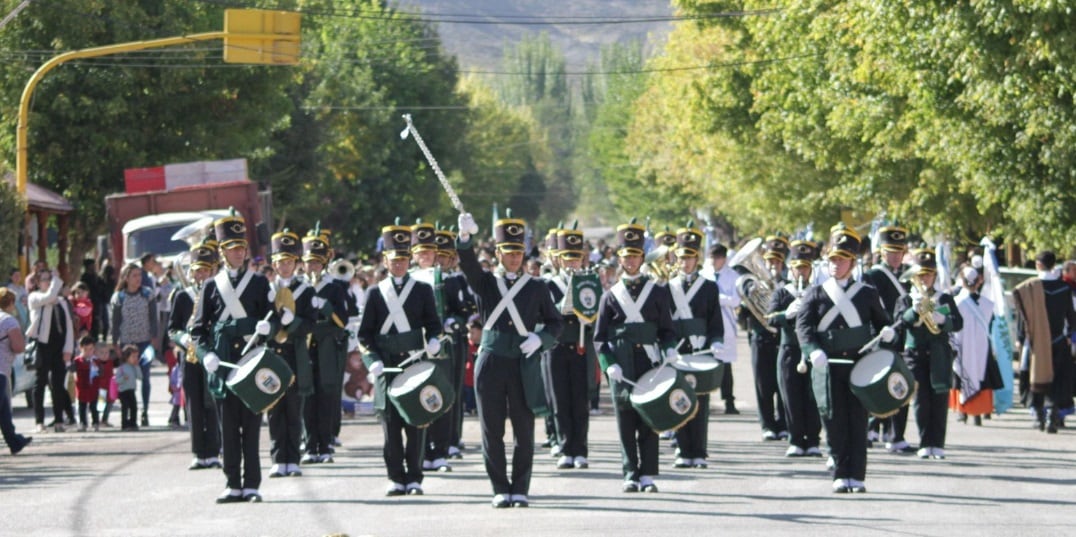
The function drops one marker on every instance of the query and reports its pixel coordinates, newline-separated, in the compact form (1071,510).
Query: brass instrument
(342,269)
(284,300)
(658,266)
(755,284)
(925,307)
(192,358)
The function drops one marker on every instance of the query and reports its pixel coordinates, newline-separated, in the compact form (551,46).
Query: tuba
(755,283)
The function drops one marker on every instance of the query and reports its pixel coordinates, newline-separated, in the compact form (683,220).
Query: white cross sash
(507,302)
(842,305)
(396,317)
(233,308)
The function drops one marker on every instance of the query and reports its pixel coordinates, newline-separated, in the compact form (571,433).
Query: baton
(433,162)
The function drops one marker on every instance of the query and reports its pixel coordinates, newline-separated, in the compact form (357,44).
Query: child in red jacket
(87,371)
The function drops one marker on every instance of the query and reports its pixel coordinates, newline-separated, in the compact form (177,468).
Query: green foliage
(12,209)
(92,118)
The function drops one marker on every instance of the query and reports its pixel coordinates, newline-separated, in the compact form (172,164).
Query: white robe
(972,343)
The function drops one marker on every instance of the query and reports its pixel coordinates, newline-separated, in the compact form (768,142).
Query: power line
(513,20)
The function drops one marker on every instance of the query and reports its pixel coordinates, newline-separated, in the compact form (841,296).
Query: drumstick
(254,337)
(392,370)
(229,365)
(628,382)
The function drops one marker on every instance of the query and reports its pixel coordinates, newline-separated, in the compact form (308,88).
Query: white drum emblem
(897,385)
(679,402)
(431,399)
(267,381)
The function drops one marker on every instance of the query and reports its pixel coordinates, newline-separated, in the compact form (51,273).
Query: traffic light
(261,37)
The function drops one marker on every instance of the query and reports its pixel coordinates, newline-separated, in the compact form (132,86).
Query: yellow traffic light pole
(268,37)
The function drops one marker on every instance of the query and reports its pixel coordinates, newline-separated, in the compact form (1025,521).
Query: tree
(92,118)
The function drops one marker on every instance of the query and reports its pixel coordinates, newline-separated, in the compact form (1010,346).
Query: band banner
(586,295)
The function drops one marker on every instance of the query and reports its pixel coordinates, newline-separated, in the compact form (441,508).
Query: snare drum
(664,399)
(422,393)
(702,371)
(260,379)
(882,382)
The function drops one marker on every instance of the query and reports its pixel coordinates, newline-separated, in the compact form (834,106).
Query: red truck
(161,201)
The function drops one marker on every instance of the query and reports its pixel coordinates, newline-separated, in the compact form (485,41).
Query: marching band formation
(836,350)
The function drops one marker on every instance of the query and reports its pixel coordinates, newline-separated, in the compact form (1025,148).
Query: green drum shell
(703,372)
(882,382)
(422,393)
(262,378)
(664,399)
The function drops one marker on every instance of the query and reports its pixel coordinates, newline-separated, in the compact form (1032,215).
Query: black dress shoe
(253,497)
(196,465)
(650,487)
(630,486)
(230,498)
(25,442)
(501,501)
(520,502)
(731,409)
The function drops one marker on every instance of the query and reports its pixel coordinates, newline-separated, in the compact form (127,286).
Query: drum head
(696,363)
(653,384)
(872,368)
(411,378)
(246,363)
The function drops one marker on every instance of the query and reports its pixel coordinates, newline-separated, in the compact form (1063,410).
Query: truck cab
(153,234)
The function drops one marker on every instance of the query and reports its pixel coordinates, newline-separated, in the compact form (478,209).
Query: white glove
(467,226)
(615,373)
(717,348)
(376,369)
(531,344)
(887,334)
(793,308)
(317,302)
(451,325)
(819,358)
(185,340)
(671,355)
(727,300)
(939,319)
(433,346)
(211,361)
(286,316)
(262,328)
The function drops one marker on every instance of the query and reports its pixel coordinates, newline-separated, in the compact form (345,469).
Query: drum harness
(633,312)
(507,302)
(842,306)
(682,302)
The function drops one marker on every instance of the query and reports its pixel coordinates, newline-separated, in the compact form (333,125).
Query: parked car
(22,380)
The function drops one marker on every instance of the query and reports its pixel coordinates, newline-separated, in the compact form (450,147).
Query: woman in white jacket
(51,326)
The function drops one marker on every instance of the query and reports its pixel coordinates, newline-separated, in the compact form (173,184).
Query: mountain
(476,31)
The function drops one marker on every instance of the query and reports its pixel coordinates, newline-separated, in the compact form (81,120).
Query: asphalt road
(999,479)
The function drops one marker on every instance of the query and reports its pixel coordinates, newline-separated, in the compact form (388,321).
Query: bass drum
(260,379)
(664,399)
(422,393)
(882,382)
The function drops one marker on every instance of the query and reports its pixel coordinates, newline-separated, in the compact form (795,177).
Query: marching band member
(203,417)
(571,360)
(286,418)
(763,339)
(634,333)
(351,310)
(508,382)
(835,320)
(426,270)
(328,348)
(399,319)
(801,412)
(231,309)
(885,277)
(459,306)
(930,317)
(696,311)
(552,266)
